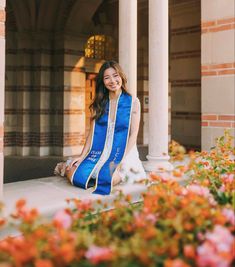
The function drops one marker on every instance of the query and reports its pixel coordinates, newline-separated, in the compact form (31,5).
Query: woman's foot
(60,169)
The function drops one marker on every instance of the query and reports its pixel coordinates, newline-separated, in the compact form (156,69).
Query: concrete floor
(49,195)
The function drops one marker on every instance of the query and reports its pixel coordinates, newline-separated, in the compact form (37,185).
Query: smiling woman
(110,154)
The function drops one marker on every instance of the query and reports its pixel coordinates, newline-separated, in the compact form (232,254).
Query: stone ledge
(48,195)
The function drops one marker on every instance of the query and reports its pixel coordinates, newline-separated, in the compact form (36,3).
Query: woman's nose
(112,80)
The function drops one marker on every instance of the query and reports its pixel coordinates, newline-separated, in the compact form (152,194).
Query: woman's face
(112,80)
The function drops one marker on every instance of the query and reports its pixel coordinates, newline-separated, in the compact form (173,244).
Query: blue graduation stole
(83,173)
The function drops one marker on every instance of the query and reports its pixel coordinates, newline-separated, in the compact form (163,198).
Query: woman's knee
(69,172)
(116,178)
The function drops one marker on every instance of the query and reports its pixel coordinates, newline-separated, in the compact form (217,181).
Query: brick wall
(45,100)
(217,69)
(185,56)
(2,84)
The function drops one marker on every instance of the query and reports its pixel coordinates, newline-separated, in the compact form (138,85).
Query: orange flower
(143,257)
(31,216)
(154,177)
(67,252)
(22,250)
(2,222)
(43,263)
(177,173)
(189,251)
(128,198)
(20,203)
(173,250)
(188,226)
(175,263)
(40,233)
(149,233)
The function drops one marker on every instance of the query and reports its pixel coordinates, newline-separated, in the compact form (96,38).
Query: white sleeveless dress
(131,169)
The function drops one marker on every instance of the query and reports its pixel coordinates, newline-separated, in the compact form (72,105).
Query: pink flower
(63,219)
(201,191)
(217,250)
(221,238)
(207,256)
(184,191)
(200,236)
(222,188)
(228,177)
(151,218)
(230,215)
(97,254)
(206,164)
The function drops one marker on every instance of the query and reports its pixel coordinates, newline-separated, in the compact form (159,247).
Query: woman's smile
(112,80)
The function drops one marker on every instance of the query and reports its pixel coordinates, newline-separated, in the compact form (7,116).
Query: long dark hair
(101,92)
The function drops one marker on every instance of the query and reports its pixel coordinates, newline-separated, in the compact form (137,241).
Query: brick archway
(46,82)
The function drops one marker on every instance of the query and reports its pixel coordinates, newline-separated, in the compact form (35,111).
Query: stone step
(49,195)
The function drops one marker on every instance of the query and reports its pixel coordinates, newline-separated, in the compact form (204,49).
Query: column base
(158,164)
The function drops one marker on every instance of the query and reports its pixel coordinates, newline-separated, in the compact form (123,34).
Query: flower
(43,263)
(221,238)
(189,251)
(175,263)
(217,250)
(97,254)
(201,191)
(175,225)
(63,219)
(230,215)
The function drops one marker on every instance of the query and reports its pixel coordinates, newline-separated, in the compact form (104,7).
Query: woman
(110,154)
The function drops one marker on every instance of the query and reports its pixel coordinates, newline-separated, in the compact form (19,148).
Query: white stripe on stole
(89,177)
(126,142)
(109,119)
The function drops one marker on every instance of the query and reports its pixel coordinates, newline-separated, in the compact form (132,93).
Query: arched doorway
(46,73)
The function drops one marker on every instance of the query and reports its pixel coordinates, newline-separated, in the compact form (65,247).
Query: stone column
(158,86)
(2,87)
(128,42)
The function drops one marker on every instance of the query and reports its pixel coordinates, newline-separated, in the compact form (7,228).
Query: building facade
(51,51)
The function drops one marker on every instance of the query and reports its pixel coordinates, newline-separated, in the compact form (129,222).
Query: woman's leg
(116,178)
(62,170)
(69,172)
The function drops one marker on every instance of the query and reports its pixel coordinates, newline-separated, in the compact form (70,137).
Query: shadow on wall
(24,168)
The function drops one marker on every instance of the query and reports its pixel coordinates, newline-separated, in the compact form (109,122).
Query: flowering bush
(174,225)
(215,170)
(176,151)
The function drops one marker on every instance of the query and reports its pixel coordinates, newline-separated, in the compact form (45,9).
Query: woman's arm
(134,127)
(88,141)
(85,148)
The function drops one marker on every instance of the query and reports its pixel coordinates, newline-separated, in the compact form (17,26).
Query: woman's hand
(74,161)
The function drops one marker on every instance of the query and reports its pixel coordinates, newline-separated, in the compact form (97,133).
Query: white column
(158,87)
(128,42)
